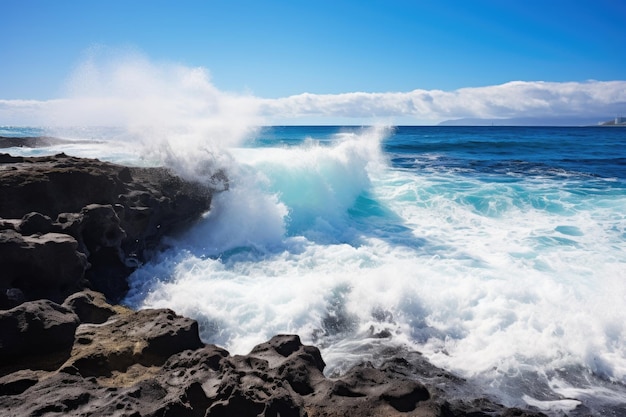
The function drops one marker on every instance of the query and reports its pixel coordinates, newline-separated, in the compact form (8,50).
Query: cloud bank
(139,92)
(518,99)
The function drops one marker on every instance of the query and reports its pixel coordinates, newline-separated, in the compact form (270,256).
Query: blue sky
(277,49)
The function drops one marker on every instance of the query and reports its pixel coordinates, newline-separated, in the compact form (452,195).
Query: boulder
(36,328)
(301,366)
(43,266)
(261,383)
(145,337)
(100,234)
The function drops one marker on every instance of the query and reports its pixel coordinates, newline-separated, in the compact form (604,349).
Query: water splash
(163,113)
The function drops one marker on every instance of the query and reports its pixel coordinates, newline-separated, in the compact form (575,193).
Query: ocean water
(497,252)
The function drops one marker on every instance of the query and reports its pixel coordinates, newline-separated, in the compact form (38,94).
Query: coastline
(93,353)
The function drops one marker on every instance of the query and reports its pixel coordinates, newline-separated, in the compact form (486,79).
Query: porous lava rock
(152,363)
(70,223)
(42,266)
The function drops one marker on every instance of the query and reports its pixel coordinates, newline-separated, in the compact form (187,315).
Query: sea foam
(505,283)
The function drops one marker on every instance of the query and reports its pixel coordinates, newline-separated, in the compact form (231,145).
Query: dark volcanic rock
(90,307)
(42,266)
(152,363)
(114,216)
(34,222)
(37,327)
(31,141)
(55,184)
(209,382)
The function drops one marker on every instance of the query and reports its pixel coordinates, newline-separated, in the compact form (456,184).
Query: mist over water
(498,253)
(157,113)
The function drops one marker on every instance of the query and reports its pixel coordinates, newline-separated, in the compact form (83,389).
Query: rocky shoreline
(71,231)
(70,223)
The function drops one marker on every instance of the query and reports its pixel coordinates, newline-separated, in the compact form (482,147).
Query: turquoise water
(500,253)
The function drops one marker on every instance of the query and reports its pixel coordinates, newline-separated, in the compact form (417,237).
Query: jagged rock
(101,235)
(37,327)
(118,215)
(17,382)
(5,158)
(364,380)
(257,384)
(10,224)
(301,366)
(54,184)
(100,228)
(152,363)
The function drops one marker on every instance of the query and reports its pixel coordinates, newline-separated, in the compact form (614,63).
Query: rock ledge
(71,223)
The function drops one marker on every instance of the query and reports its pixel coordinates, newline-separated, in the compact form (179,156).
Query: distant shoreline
(33,141)
(30,141)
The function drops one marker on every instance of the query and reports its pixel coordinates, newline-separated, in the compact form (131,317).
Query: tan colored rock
(147,338)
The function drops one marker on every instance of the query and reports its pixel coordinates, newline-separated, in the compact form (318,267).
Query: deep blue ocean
(498,252)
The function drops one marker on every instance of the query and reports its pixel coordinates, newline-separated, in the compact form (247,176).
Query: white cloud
(143,94)
(513,99)
(23,112)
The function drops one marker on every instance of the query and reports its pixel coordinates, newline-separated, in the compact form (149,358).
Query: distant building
(620,120)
